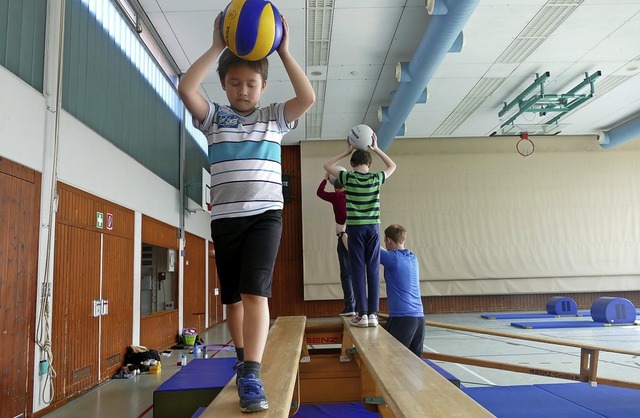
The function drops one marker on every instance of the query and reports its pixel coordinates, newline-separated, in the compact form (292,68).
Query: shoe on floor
(251,393)
(373,320)
(238,369)
(360,321)
(347,312)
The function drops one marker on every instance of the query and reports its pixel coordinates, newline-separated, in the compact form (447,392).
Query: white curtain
(484,220)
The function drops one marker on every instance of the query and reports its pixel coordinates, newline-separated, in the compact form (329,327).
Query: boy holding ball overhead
(246,191)
(362,189)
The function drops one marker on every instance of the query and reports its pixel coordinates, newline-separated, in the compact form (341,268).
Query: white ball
(332,179)
(360,137)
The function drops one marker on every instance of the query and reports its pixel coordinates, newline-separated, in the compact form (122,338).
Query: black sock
(240,353)
(251,367)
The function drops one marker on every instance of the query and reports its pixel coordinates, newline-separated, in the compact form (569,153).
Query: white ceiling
(365,39)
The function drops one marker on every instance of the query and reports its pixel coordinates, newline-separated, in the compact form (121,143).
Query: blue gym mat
(567,400)
(526,402)
(560,324)
(530,315)
(610,401)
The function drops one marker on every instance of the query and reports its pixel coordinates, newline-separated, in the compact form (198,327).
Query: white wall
(22,121)
(85,159)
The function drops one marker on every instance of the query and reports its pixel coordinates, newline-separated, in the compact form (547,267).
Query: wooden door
(117,289)
(75,329)
(215,304)
(194,283)
(19,220)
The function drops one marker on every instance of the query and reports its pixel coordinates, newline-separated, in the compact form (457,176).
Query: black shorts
(246,250)
(409,330)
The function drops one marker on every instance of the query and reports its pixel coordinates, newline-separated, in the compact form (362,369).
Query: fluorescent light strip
(483,89)
(319,23)
(313,117)
(543,24)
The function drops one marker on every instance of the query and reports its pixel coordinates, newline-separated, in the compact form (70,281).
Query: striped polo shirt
(363,196)
(244,153)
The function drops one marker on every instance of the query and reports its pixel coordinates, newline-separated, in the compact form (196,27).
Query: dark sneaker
(251,393)
(360,321)
(347,312)
(238,369)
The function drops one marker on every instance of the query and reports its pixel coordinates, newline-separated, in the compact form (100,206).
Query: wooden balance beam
(400,384)
(589,356)
(279,373)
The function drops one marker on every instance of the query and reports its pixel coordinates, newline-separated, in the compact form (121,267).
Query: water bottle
(196,351)
(183,360)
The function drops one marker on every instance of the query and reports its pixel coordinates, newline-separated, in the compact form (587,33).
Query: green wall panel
(22,39)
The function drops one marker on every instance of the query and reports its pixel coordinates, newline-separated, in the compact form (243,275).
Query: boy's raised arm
(191,80)
(304,98)
(330,166)
(391,166)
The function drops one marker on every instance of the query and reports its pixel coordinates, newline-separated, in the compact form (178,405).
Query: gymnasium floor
(125,398)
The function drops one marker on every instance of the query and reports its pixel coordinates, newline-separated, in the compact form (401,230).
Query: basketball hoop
(525,146)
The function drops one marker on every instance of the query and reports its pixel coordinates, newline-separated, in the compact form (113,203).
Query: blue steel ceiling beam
(443,35)
(620,134)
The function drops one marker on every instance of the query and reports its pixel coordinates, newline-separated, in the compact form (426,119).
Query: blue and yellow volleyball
(252,29)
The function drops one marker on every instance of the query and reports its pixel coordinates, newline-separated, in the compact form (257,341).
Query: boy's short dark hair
(338,185)
(228,59)
(396,233)
(360,157)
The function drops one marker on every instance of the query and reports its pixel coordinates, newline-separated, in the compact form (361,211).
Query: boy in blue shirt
(402,274)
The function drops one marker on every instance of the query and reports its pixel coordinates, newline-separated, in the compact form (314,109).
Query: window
(159,276)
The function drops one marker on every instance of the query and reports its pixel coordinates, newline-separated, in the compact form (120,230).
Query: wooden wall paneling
(76,285)
(215,303)
(79,208)
(117,288)
(508,303)
(82,248)
(59,307)
(288,292)
(194,283)
(159,331)
(20,209)
(159,233)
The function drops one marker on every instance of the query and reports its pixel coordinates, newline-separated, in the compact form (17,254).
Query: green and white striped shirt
(363,196)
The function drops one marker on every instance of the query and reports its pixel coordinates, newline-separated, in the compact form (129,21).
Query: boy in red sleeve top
(338,201)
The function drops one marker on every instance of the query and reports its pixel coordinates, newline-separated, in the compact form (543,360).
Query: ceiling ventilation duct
(622,133)
(443,34)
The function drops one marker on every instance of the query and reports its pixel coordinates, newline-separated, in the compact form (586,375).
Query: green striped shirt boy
(363,196)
